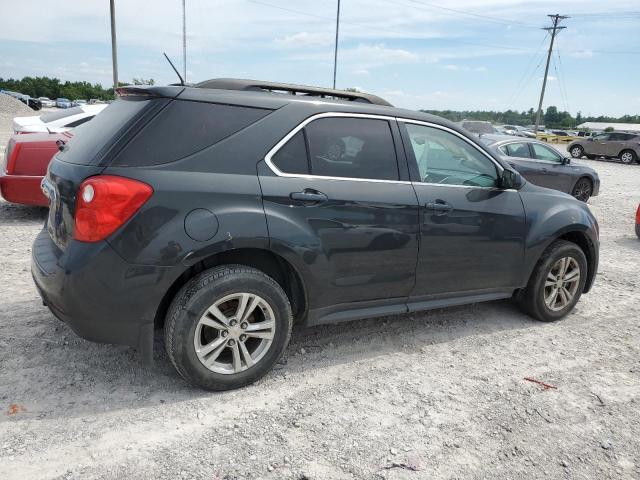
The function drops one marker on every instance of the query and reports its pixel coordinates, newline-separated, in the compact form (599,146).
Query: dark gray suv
(228,211)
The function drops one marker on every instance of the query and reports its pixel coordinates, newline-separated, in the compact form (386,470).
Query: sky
(418,54)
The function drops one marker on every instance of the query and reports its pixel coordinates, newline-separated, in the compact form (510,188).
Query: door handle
(439,206)
(308,196)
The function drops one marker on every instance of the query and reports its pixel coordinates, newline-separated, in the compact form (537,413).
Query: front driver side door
(471,232)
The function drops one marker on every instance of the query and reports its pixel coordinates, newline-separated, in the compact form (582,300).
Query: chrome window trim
(268,158)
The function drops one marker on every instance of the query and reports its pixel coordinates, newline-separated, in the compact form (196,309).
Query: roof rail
(287,88)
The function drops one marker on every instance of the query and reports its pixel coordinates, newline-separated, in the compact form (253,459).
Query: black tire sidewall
(535,290)
(198,296)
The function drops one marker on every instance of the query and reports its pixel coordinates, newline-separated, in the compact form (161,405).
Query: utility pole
(114,51)
(184,41)
(554,31)
(335,55)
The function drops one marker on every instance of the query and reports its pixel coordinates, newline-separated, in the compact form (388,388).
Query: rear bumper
(99,295)
(22,189)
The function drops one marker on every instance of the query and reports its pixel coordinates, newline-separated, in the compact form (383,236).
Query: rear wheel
(227,327)
(628,156)
(576,151)
(582,189)
(556,283)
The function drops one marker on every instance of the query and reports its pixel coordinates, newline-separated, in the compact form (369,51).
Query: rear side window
(184,128)
(352,148)
(97,136)
(518,150)
(292,157)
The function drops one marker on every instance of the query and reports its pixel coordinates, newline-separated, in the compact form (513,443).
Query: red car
(638,221)
(25,164)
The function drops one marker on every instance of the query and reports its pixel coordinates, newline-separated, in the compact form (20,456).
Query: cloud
(581,53)
(464,68)
(305,39)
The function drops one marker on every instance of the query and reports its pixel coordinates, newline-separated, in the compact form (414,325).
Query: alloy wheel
(582,190)
(576,152)
(626,157)
(561,284)
(234,333)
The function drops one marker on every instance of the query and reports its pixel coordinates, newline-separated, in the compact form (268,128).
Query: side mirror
(511,179)
(566,160)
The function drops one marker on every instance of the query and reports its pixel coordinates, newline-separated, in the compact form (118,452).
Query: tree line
(54,88)
(552,117)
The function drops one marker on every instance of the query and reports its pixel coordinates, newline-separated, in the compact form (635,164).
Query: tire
(576,151)
(628,156)
(533,298)
(188,340)
(583,189)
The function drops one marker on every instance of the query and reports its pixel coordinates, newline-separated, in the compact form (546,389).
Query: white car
(58,121)
(47,102)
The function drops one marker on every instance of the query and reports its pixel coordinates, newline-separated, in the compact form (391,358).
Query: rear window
(184,128)
(52,116)
(94,138)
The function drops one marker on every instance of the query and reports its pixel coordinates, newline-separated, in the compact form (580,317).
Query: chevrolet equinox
(229,210)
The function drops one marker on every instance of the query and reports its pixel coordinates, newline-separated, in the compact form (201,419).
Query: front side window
(603,137)
(520,149)
(542,152)
(445,158)
(352,148)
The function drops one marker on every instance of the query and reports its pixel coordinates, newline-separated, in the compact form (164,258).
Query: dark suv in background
(228,211)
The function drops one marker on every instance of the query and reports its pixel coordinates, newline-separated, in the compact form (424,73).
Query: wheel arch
(272,264)
(575,234)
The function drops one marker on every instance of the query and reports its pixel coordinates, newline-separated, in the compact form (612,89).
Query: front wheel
(227,327)
(577,151)
(628,156)
(556,283)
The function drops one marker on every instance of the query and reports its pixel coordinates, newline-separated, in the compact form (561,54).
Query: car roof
(275,100)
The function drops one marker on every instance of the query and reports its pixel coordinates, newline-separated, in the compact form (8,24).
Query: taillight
(13,157)
(105,203)
(638,215)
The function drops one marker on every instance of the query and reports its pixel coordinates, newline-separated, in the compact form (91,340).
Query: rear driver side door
(340,207)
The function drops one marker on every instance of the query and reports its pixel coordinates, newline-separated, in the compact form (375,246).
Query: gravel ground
(440,394)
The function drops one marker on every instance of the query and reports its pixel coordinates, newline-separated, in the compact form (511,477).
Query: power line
(556,19)
(395,32)
(453,11)
(525,74)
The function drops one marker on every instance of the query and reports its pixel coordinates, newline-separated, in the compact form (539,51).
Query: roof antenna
(174,69)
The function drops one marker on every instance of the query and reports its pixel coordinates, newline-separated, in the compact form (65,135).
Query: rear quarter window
(184,128)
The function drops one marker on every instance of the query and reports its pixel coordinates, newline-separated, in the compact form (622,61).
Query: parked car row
(31,102)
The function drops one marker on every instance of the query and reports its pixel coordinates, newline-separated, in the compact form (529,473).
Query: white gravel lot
(432,395)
